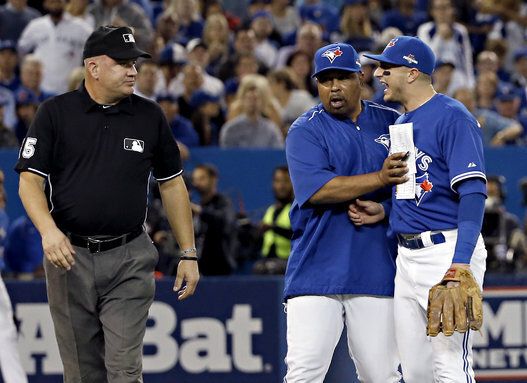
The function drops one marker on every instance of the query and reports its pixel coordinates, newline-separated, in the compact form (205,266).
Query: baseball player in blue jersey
(338,274)
(438,230)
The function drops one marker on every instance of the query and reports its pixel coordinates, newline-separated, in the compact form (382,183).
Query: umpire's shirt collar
(125,105)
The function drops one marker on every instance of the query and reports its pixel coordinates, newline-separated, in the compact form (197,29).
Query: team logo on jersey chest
(384,140)
(134,145)
(423,186)
(332,54)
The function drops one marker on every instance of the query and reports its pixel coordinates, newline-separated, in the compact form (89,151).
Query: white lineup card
(402,140)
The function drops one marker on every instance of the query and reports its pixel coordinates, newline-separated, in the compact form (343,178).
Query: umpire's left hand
(187,274)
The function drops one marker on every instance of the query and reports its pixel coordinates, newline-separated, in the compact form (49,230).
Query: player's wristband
(190,250)
(187,258)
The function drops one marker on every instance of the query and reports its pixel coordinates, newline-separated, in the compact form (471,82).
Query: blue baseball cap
(355,2)
(339,56)
(173,54)
(8,45)
(264,14)
(24,97)
(507,93)
(201,97)
(520,53)
(408,51)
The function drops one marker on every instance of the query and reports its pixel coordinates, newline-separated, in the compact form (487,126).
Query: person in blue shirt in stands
(180,126)
(405,17)
(23,249)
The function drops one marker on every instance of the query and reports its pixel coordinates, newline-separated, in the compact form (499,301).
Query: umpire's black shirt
(97,160)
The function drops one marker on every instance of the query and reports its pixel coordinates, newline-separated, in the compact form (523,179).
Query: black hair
(500,181)
(210,169)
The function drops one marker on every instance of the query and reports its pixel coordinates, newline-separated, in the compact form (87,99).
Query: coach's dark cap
(115,42)
(339,56)
(408,51)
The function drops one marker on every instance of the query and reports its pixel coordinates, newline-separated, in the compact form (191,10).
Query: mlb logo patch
(128,38)
(332,54)
(134,145)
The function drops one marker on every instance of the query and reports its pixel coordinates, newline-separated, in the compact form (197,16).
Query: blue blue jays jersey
(329,255)
(449,149)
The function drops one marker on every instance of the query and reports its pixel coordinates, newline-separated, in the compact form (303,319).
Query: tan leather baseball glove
(454,306)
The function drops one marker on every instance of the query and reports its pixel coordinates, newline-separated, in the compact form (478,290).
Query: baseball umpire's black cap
(115,42)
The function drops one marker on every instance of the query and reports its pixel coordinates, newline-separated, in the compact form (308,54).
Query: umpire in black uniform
(84,168)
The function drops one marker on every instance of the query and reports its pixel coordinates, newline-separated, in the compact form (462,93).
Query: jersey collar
(125,105)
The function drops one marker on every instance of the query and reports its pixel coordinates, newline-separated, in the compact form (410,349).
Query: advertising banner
(230,331)
(233,331)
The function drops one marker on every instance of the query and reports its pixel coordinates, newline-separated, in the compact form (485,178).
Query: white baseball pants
(425,359)
(314,327)
(12,371)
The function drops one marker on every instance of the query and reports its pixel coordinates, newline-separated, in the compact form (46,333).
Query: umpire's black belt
(98,244)
(414,241)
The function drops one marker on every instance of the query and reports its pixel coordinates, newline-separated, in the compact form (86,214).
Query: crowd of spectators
(206,60)
(239,78)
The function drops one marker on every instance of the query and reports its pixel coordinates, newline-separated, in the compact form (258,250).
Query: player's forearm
(31,192)
(470,219)
(346,188)
(176,202)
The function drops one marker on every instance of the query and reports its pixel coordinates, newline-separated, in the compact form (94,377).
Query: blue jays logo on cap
(338,56)
(391,43)
(332,54)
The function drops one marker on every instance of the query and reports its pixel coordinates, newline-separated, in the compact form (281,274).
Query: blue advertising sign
(228,332)
(500,348)
(233,331)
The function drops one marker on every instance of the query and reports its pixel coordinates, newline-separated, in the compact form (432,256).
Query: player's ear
(413,75)
(361,78)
